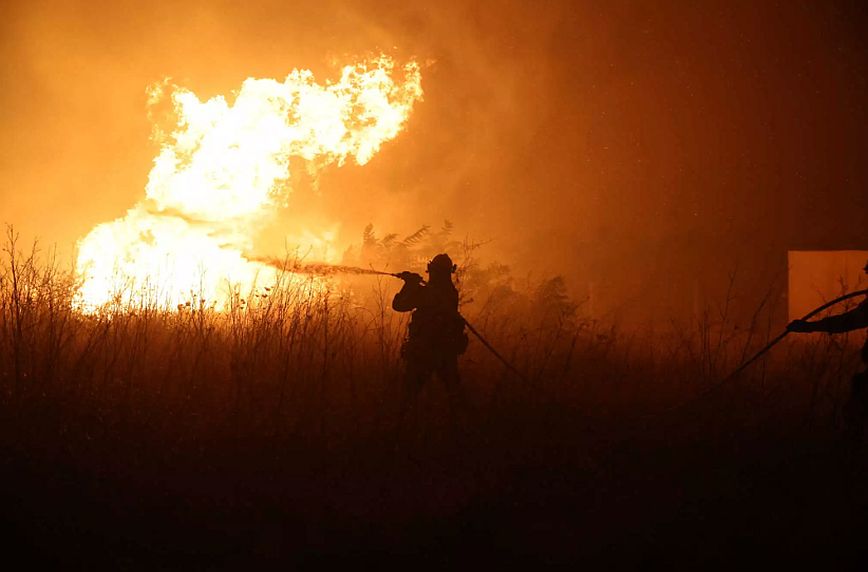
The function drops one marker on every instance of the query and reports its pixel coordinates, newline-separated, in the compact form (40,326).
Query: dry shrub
(291,399)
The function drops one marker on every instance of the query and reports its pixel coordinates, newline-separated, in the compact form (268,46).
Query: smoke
(643,150)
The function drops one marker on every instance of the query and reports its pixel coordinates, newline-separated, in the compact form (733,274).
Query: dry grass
(268,433)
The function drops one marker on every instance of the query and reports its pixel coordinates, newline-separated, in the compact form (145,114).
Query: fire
(223,170)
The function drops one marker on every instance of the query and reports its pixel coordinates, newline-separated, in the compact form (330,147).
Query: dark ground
(533,486)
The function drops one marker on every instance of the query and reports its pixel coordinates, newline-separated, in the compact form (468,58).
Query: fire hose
(488,346)
(411,276)
(773,343)
(324,269)
(783,334)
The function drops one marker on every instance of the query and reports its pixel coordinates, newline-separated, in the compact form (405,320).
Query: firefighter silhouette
(856,411)
(436,334)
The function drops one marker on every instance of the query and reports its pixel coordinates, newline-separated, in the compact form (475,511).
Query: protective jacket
(436,328)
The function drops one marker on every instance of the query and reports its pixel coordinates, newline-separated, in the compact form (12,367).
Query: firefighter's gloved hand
(410,277)
(800,326)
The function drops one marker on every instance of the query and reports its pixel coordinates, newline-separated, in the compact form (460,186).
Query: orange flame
(223,169)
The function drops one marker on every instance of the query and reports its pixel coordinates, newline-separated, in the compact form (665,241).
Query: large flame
(224,168)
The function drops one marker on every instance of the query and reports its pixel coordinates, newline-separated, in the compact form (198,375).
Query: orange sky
(634,143)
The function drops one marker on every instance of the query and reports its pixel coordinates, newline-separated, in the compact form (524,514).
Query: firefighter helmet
(441,264)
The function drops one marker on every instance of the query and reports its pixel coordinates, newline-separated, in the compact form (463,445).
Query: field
(277,432)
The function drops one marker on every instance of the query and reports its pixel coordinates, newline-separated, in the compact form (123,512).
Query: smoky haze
(645,150)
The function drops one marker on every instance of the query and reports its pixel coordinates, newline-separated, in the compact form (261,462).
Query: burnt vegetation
(136,436)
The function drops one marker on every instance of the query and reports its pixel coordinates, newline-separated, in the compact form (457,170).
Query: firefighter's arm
(407,298)
(853,320)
